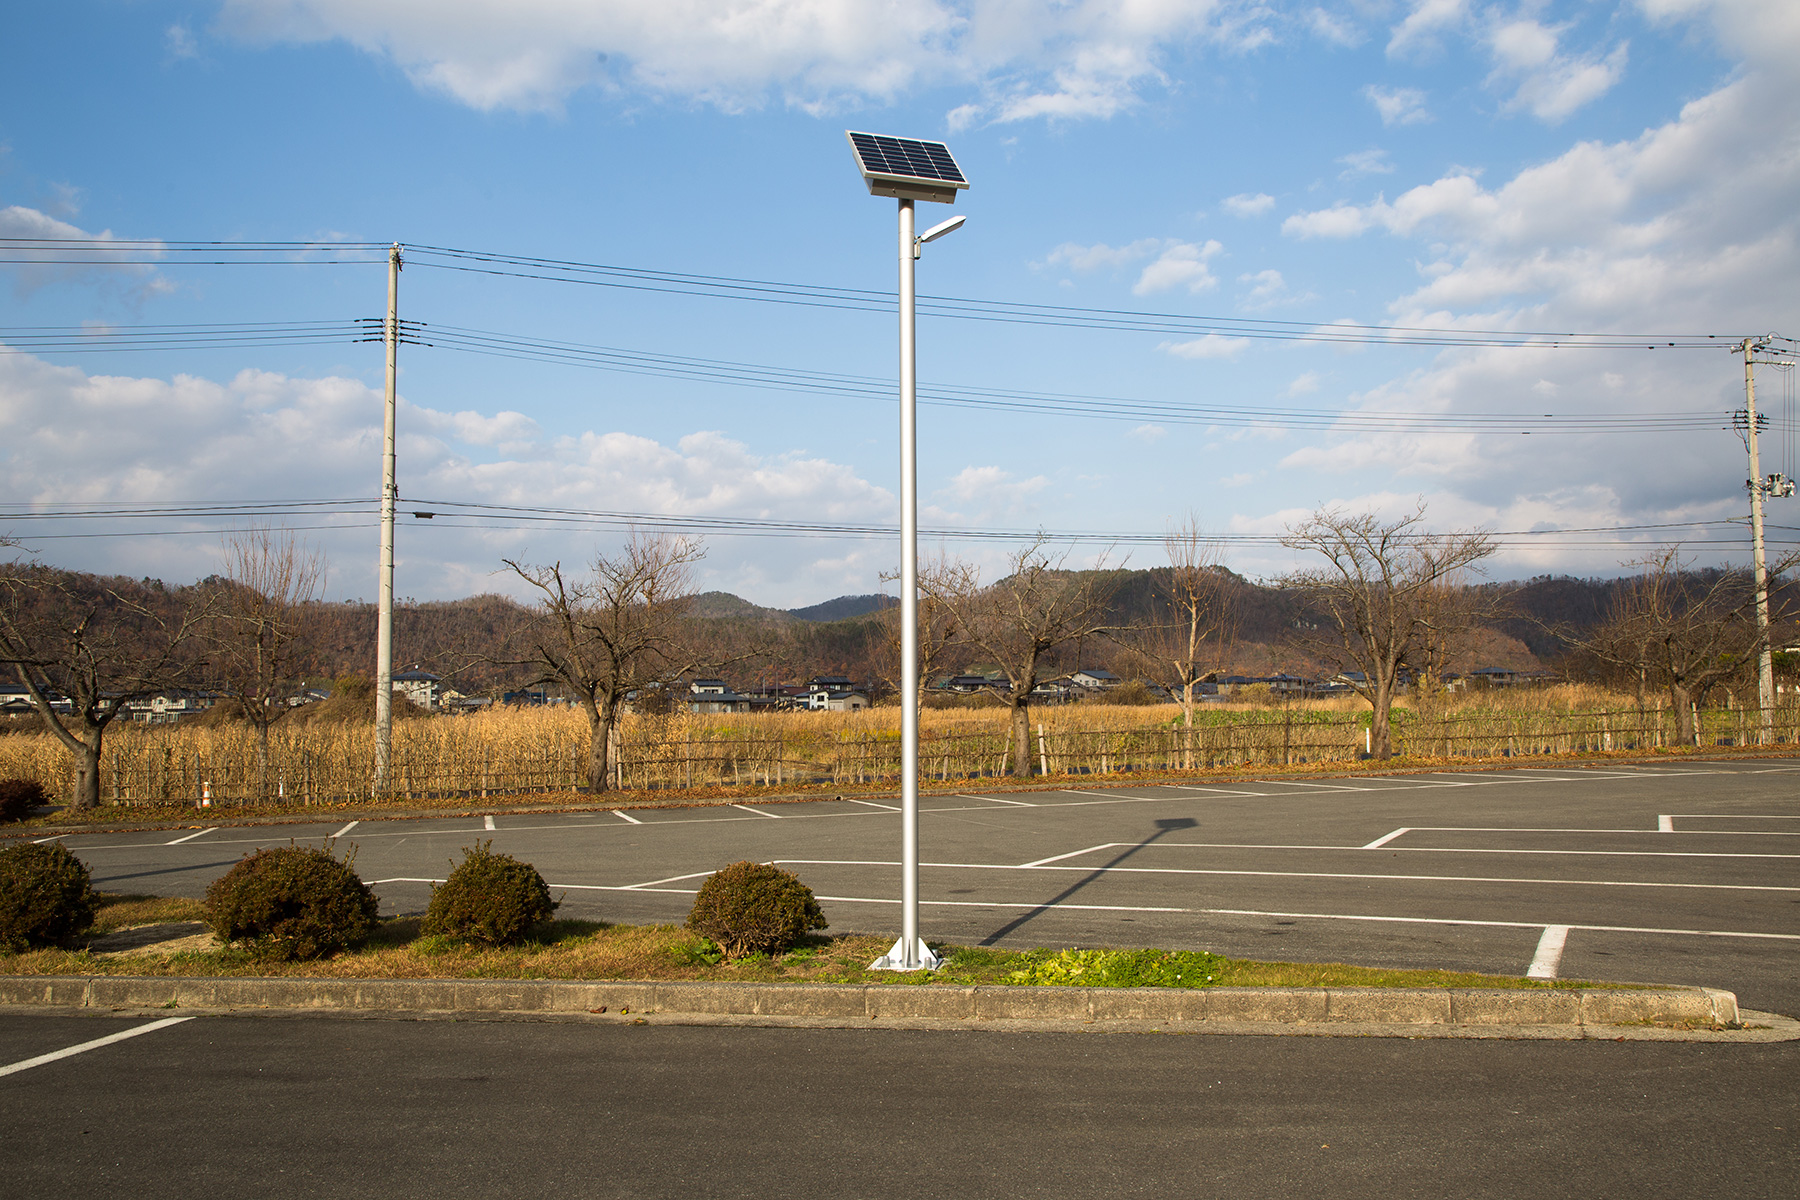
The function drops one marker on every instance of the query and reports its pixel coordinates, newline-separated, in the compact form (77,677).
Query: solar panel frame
(910,168)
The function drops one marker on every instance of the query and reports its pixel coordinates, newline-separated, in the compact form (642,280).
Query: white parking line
(633,887)
(624,817)
(1194,787)
(1048,865)
(759,812)
(51,838)
(84,1047)
(1549,953)
(190,837)
(346,829)
(998,800)
(872,804)
(1071,854)
(1665,823)
(1379,842)
(487,822)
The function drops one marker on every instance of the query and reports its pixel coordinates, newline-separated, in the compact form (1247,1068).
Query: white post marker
(909,170)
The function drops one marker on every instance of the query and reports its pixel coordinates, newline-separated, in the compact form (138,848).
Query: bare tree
(1184,638)
(1681,630)
(939,634)
(1382,591)
(270,580)
(97,644)
(615,631)
(1022,620)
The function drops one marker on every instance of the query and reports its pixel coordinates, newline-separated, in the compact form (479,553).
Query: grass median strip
(126,941)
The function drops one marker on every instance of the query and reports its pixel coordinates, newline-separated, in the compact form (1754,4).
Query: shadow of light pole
(1166,825)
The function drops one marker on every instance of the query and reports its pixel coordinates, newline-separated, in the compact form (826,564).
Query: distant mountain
(844,607)
(725,606)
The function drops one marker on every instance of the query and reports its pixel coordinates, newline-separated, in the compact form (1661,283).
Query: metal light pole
(390,492)
(909,170)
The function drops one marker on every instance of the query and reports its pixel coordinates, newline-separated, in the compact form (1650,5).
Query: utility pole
(1759,487)
(390,494)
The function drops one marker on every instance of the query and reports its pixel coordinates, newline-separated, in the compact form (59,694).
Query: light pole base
(897,959)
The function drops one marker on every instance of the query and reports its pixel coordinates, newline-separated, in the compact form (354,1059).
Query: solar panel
(906,167)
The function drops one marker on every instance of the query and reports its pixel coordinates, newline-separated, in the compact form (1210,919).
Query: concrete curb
(1317,1009)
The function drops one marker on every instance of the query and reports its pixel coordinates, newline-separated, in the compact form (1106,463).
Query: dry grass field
(538,750)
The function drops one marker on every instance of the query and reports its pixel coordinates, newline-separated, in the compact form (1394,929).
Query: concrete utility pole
(1759,487)
(390,495)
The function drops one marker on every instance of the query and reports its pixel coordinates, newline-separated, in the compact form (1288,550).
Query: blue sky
(1625,168)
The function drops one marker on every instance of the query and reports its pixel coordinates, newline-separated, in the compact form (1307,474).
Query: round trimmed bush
(754,908)
(289,903)
(46,897)
(18,797)
(491,898)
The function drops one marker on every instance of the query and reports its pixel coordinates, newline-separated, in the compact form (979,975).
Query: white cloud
(1249,204)
(1181,264)
(1335,28)
(1397,106)
(1148,433)
(1175,264)
(1213,345)
(1365,162)
(1268,290)
(1092,258)
(68,436)
(180,42)
(1304,384)
(1418,34)
(47,264)
(1027,58)
(1546,82)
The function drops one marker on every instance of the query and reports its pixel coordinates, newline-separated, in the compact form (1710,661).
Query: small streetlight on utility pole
(909,170)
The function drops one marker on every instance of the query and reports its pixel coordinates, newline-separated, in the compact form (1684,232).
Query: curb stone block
(943,1003)
(1280,1005)
(1149,1004)
(1469,1006)
(1387,1006)
(1032,1003)
(1618,1008)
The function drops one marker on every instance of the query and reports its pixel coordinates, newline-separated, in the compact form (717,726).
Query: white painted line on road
(487,822)
(1379,842)
(1071,854)
(51,838)
(1547,829)
(1079,792)
(1735,817)
(1306,916)
(1475,850)
(1549,953)
(1507,879)
(346,829)
(1194,787)
(402,879)
(1665,823)
(759,812)
(625,817)
(632,887)
(190,837)
(872,804)
(998,800)
(40,1060)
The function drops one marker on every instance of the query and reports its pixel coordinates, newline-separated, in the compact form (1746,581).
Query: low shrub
(46,897)
(491,898)
(1119,968)
(18,797)
(291,902)
(754,908)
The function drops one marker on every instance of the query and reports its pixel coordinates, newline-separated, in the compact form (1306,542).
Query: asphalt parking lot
(255,1106)
(1667,873)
